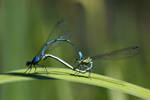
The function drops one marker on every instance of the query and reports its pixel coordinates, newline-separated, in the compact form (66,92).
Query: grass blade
(67,74)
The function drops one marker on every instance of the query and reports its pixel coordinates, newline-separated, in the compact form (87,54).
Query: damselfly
(60,33)
(86,64)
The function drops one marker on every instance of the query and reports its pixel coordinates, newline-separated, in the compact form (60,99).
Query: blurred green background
(98,26)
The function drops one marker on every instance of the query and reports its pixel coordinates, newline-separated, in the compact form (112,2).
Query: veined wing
(60,31)
(118,54)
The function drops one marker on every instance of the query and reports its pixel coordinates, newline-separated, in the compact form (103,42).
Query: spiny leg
(90,71)
(28,69)
(45,69)
(34,68)
(76,72)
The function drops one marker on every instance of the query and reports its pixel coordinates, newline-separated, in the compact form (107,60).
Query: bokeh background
(98,26)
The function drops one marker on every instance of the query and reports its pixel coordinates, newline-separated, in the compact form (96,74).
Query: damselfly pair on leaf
(61,34)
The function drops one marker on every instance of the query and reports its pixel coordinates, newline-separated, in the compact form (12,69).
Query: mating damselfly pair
(60,34)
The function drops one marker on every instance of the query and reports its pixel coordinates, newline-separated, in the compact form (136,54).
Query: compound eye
(77,59)
(28,63)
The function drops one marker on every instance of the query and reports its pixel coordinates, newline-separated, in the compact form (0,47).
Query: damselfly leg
(28,69)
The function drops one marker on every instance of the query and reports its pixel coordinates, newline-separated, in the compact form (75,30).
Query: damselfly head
(34,61)
(87,60)
(28,63)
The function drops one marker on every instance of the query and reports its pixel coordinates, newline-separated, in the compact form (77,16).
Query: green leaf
(67,74)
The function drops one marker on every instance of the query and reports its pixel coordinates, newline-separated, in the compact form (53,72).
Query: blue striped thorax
(36,59)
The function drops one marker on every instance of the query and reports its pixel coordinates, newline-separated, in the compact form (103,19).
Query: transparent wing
(61,30)
(118,54)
